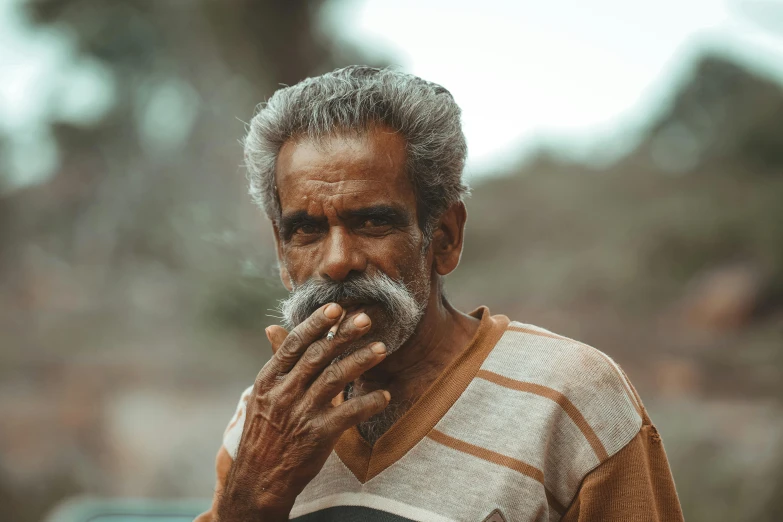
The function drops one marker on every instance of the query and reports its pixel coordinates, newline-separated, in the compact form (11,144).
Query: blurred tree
(145,230)
(183,73)
(157,179)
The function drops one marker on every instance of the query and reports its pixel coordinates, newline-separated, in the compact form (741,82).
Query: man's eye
(374,222)
(305,229)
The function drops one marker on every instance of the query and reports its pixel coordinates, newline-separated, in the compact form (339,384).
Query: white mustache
(396,299)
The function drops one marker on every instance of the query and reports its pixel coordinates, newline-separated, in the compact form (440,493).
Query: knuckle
(274,397)
(297,335)
(318,424)
(304,405)
(314,353)
(349,331)
(354,408)
(364,357)
(334,374)
(345,333)
(264,377)
(313,324)
(260,405)
(323,424)
(285,357)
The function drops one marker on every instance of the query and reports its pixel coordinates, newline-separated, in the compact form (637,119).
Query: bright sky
(581,72)
(567,68)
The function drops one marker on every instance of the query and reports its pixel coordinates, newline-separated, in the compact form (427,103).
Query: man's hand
(292,424)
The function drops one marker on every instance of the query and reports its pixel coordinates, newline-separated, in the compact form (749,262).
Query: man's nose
(340,256)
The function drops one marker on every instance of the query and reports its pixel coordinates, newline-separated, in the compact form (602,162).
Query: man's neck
(442,334)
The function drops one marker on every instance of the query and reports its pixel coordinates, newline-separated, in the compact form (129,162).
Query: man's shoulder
(588,386)
(562,363)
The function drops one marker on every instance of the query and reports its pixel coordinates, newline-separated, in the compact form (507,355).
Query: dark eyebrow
(394,215)
(290,222)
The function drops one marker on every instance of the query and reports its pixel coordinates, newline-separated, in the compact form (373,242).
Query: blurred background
(626,160)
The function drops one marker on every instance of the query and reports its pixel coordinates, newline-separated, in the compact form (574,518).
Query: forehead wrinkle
(366,170)
(320,189)
(341,181)
(339,203)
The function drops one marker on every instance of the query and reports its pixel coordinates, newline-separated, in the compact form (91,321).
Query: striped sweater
(524,425)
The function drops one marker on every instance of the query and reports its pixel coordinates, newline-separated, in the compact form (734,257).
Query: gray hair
(352,99)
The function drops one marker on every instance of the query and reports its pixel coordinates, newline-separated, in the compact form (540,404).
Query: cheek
(409,265)
(400,254)
(300,263)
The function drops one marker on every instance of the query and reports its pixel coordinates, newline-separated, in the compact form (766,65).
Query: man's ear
(448,237)
(285,277)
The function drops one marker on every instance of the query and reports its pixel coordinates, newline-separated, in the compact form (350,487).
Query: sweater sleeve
(226,453)
(634,485)
(223,463)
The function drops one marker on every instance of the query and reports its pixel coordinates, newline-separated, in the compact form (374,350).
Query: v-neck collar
(366,461)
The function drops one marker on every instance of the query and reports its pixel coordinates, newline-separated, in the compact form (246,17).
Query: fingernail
(332,311)
(387,395)
(378,348)
(361,320)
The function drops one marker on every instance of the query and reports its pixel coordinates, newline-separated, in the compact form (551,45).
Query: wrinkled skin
(347,206)
(296,419)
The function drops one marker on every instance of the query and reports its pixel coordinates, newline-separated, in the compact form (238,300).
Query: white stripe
(545,439)
(370,501)
(578,371)
(616,366)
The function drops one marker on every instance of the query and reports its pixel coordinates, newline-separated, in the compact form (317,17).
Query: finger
(306,333)
(359,409)
(334,378)
(321,353)
(295,343)
(276,335)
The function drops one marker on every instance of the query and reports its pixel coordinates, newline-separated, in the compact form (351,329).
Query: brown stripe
(630,394)
(499,459)
(355,453)
(559,398)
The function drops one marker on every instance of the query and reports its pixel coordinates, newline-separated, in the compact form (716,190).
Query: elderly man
(382,401)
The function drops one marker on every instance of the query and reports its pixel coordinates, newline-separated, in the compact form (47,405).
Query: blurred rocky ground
(671,261)
(135,284)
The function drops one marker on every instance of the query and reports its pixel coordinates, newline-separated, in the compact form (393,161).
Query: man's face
(349,231)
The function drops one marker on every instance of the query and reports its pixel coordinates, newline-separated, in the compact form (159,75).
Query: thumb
(276,335)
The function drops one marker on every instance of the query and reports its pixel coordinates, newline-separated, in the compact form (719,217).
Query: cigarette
(333,329)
